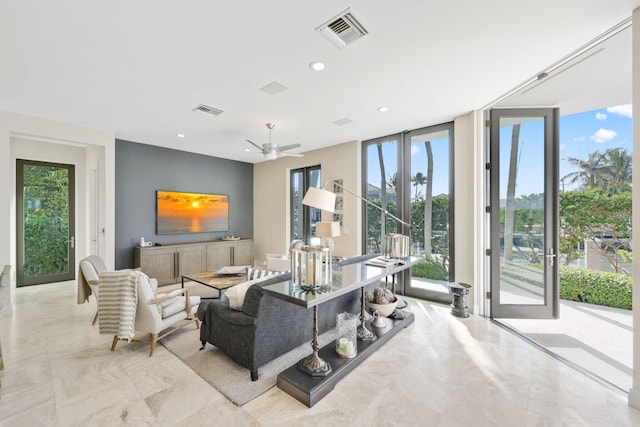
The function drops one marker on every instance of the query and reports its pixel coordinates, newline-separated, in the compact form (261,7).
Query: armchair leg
(254,375)
(115,341)
(197,323)
(95,318)
(154,340)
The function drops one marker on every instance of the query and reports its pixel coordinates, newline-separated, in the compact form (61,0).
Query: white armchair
(162,314)
(89,277)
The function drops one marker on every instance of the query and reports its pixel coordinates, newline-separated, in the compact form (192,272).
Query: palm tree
(418,180)
(393,181)
(592,173)
(618,169)
(510,207)
(383,190)
(428,201)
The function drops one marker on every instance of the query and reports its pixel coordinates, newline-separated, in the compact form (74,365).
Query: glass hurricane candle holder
(311,267)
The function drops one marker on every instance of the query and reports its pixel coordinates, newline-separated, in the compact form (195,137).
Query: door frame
(70,275)
(550,308)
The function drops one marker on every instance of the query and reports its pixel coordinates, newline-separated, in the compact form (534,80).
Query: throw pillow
(257,273)
(235,295)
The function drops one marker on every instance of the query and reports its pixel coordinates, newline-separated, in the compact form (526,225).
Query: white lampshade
(328,229)
(320,199)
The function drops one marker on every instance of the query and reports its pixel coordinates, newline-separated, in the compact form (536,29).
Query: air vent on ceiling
(342,122)
(343,29)
(274,88)
(207,109)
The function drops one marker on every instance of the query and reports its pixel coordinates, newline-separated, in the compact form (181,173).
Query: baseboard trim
(634,398)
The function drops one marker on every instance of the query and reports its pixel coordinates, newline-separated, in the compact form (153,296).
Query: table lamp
(327,230)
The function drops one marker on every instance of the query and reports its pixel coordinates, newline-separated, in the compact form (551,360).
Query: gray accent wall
(141,169)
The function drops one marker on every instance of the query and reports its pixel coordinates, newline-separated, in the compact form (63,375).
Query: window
(304,218)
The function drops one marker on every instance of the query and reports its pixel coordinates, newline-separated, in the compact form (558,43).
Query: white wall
(271,227)
(466,206)
(46,140)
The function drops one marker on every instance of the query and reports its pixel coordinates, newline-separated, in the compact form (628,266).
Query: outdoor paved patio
(595,338)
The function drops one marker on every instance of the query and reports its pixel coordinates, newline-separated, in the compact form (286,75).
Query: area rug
(225,375)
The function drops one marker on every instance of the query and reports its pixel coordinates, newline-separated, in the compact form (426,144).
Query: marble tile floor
(440,371)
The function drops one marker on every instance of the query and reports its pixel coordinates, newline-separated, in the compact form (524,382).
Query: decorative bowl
(383,309)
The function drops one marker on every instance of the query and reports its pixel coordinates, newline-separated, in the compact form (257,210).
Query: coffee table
(213,280)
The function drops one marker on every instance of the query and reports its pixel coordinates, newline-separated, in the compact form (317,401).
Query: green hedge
(430,270)
(595,287)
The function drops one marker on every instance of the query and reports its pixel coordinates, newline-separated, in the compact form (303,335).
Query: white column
(634,393)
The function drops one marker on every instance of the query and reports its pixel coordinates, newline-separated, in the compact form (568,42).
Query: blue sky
(580,134)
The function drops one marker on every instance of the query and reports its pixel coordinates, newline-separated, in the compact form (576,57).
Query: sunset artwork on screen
(180,213)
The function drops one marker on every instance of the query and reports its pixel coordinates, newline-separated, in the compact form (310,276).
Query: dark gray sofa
(267,327)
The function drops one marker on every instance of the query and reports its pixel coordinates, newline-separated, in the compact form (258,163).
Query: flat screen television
(182,213)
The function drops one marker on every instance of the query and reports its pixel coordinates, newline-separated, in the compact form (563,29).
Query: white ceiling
(139,67)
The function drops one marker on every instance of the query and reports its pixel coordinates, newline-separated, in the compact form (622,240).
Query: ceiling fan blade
(288,147)
(262,150)
(284,153)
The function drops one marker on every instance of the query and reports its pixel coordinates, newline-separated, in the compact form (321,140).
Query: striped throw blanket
(118,302)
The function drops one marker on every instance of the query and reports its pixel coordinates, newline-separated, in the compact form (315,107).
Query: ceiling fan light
(271,155)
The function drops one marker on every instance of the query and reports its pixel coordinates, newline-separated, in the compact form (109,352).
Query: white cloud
(601,116)
(603,135)
(623,110)
(415,149)
(562,147)
(579,138)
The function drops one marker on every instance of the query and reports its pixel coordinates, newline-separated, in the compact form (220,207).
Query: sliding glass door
(409,175)
(431,201)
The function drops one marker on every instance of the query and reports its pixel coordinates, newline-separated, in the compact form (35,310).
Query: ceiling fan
(273,151)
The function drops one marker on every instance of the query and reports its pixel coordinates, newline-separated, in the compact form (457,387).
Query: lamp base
(365,335)
(315,366)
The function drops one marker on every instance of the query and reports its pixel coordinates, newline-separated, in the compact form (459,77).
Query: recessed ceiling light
(180,135)
(317,66)
(383,109)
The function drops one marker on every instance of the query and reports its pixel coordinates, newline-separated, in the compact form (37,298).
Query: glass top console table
(313,378)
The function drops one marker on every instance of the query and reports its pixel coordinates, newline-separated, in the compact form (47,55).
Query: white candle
(310,271)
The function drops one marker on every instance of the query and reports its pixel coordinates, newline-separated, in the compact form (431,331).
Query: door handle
(72,242)
(551,257)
